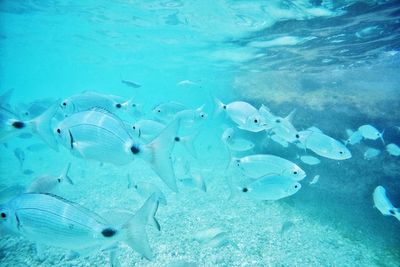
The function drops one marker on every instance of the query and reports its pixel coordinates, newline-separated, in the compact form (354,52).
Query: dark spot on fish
(71,140)
(18,124)
(245,189)
(255,121)
(108,232)
(134,127)
(390,211)
(340,152)
(297,136)
(177,139)
(224,106)
(133,105)
(26,113)
(159,111)
(118,105)
(59,180)
(278,121)
(58,130)
(136,186)
(3,215)
(64,104)
(135,149)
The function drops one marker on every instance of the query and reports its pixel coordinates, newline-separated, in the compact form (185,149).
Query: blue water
(335,62)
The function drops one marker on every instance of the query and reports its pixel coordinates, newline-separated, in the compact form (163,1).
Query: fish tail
(188,143)
(65,175)
(41,126)
(219,107)
(158,154)
(133,230)
(381,136)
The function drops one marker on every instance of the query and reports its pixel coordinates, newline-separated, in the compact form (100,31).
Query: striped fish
(51,220)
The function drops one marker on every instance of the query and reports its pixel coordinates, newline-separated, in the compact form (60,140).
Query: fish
(353,137)
(370,132)
(102,136)
(194,181)
(393,149)
(147,130)
(90,100)
(261,165)
(213,237)
(166,112)
(48,183)
(279,140)
(246,116)
(310,160)
(371,153)
(20,155)
(323,145)
(191,117)
(273,187)
(186,83)
(235,143)
(34,108)
(10,192)
(131,84)
(282,127)
(54,221)
(383,204)
(146,189)
(287,227)
(11,124)
(315,179)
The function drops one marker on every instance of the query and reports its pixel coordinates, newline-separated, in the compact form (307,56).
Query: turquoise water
(335,62)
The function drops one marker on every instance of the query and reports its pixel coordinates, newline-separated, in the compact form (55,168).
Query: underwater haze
(200,133)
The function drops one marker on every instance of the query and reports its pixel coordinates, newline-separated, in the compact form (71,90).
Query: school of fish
(110,129)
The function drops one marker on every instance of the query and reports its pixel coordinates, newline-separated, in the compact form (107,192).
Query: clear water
(335,62)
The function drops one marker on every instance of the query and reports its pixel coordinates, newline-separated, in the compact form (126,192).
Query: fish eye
(118,105)
(58,130)
(340,152)
(245,189)
(255,120)
(59,180)
(295,172)
(134,127)
(297,136)
(202,115)
(3,215)
(136,186)
(296,186)
(64,104)
(391,212)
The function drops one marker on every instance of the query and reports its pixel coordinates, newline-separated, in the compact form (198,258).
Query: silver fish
(51,220)
(102,136)
(47,183)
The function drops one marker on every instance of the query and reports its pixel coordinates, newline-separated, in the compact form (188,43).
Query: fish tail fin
(290,116)
(65,176)
(381,136)
(41,126)
(134,234)
(5,98)
(158,154)
(219,107)
(188,143)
